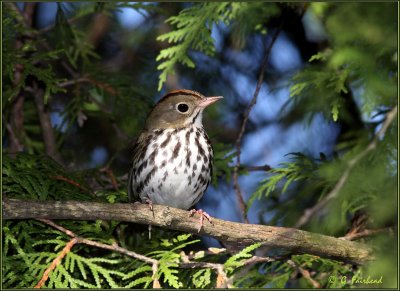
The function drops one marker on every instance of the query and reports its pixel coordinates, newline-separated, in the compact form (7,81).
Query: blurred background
(330,80)
(123,43)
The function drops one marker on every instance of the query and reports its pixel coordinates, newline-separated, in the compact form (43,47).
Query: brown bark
(285,239)
(48,134)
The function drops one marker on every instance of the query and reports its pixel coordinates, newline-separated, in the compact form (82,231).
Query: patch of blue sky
(98,156)
(285,57)
(314,29)
(57,119)
(130,18)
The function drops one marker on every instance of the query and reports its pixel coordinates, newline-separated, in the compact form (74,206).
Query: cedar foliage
(104,103)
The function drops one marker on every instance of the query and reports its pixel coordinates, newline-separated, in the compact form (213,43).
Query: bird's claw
(150,203)
(203,215)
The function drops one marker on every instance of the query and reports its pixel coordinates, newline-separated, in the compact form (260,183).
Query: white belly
(180,176)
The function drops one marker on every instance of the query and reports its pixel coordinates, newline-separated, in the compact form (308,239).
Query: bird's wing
(139,147)
(131,195)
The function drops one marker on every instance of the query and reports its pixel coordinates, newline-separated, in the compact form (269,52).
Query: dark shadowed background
(330,80)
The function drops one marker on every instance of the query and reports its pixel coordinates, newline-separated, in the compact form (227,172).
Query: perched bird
(172,160)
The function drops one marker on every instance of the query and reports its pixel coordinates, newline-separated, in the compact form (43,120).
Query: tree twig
(76,184)
(310,212)
(48,135)
(264,168)
(56,262)
(367,233)
(222,279)
(87,79)
(290,240)
(253,102)
(15,145)
(304,273)
(24,17)
(111,175)
(115,248)
(29,9)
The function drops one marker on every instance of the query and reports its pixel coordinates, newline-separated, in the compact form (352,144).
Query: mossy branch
(238,234)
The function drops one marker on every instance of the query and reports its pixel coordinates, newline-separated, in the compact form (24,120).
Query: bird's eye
(182,107)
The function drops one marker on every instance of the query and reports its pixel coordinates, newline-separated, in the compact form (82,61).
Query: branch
(17,112)
(15,145)
(265,168)
(304,273)
(87,79)
(56,262)
(49,138)
(253,102)
(310,212)
(222,278)
(367,233)
(77,239)
(238,234)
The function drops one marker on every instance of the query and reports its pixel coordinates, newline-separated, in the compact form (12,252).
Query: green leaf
(238,259)
(202,278)
(193,31)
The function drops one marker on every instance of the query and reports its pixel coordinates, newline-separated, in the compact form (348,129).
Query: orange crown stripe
(182,92)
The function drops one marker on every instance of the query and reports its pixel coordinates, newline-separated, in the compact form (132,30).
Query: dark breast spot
(187,137)
(165,176)
(141,167)
(152,156)
(176,150)
(166,141)
(189,153)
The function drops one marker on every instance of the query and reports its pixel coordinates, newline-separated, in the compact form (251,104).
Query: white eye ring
(182,107)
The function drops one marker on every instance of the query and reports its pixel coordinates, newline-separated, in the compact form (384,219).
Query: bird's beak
(209,100)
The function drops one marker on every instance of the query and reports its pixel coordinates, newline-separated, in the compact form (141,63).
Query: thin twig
(56,262)
(48,135)
(253,101)
(73,82)
(29,9)
(87,79)
(248,264)
(264,168)
(23,17)
(107,87)
(51,26)
(17,111)
(304,273)
(310,212)
(98,244)
(16,145)
(154,269)
(69,181)
(222,278)
(367,233)
(114,247)
(110,174)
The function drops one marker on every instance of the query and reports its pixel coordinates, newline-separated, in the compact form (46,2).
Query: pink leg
(203,215)
(149,202)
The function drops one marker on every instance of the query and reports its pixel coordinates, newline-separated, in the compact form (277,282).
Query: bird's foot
(150,203)
(146,201)
(203,215)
